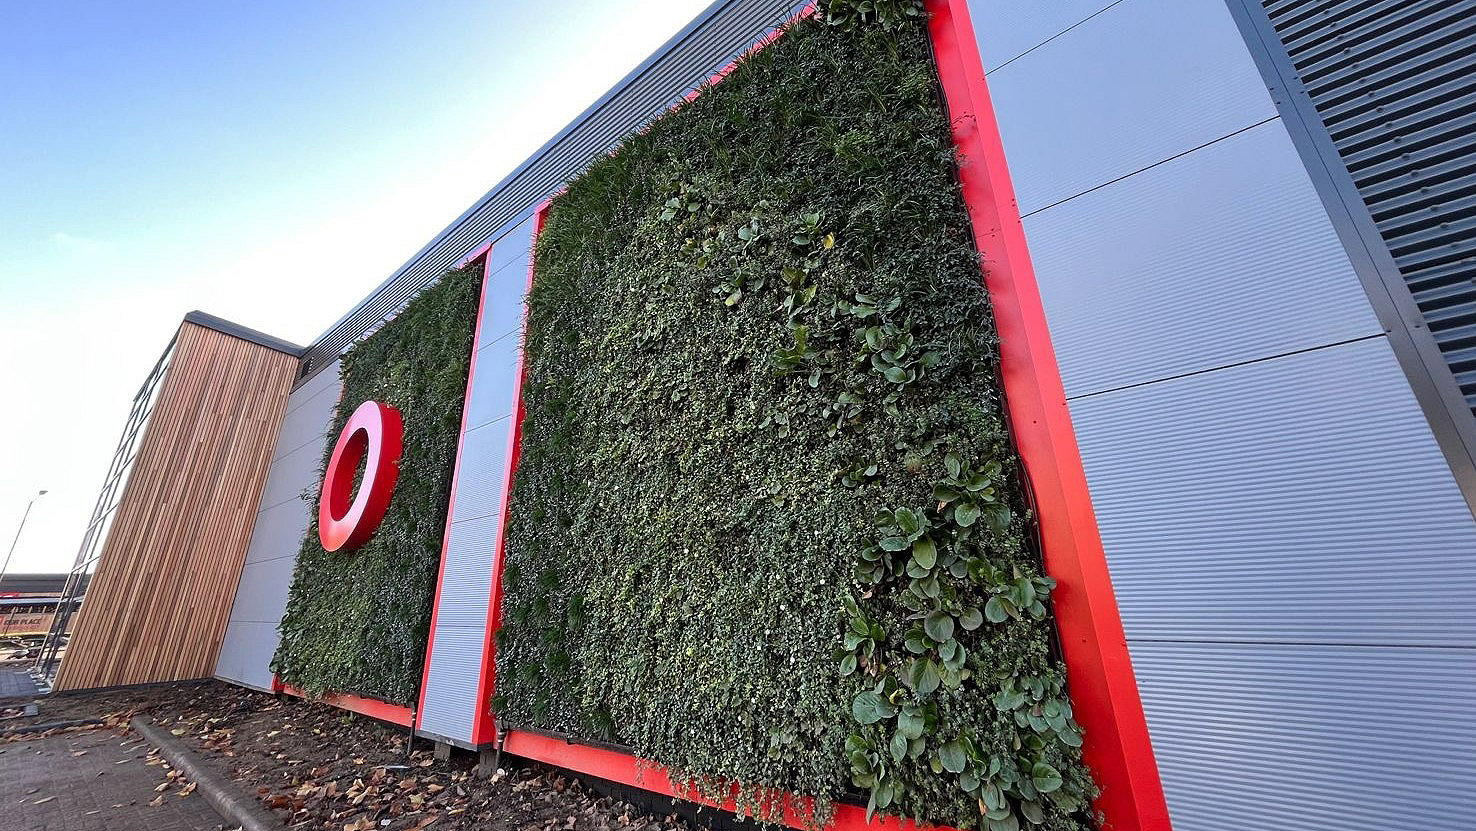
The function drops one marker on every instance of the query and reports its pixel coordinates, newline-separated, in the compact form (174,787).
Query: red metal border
(485,252)
(371,707)
(1104,691)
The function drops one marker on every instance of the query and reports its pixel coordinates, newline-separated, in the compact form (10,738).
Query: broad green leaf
(966,514)
(953,757)
(869,708)
(910,723)
(939,626)
(898,746)
(1044,777)
(994,610)
(971,618)
(925,552)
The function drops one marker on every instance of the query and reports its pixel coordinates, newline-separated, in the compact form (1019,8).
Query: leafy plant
(357,621)
(765,459)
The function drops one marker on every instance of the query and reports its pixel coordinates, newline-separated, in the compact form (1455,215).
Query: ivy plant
(767,527)
(357,621)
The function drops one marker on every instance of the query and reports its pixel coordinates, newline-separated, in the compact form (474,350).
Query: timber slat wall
(157,607)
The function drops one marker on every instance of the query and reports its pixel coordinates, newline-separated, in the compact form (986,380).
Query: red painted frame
(371,707)
(1103,687)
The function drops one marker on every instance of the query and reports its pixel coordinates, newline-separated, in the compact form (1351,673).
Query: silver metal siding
(1298,499)
(1292,556)
(460,631)
(281,521)
(1286,737)
(1111,95)
(1261,269)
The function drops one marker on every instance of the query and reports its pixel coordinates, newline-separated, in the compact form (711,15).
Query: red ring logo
(347,519)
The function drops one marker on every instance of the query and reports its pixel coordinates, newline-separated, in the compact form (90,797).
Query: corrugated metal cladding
(723,31)
(458,640)
(1291,553)
(1395,84)
(281,521)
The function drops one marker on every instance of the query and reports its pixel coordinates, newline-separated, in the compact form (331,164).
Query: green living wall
(767,528)
(357,621)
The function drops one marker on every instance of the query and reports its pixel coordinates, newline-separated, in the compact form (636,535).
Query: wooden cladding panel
(157,607)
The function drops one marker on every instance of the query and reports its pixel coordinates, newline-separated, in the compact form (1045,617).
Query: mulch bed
(316,766)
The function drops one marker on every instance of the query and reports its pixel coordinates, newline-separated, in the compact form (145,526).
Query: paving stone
(16,682)
(95,780)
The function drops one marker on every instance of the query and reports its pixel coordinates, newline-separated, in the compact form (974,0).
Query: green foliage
(853,14)
(767,527)
(357,621)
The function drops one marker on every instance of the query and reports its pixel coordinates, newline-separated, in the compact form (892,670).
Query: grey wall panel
(281,521)
(296,471)
(1254,265)
(466,580)
(1017,26)
(304,421)
(480,477)
(509,282)
(278,531)
(271,580)
(512,247)
(245,653)
(494,400)
(1143,81)
(1292,557)
(455,667)
(326,379)
(1300,499)
(466,585)
(1312,738)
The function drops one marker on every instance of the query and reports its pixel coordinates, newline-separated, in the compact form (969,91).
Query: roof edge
(236,330)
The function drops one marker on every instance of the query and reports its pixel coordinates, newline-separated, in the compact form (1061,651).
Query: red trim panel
(371,707)
(1104,691)
(629,770)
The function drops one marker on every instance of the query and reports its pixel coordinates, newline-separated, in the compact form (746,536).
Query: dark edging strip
(223,795)
(51,725)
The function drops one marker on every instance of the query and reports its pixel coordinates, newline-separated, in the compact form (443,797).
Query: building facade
(1248,230)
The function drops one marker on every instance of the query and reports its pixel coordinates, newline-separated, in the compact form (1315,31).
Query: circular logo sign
(347,517)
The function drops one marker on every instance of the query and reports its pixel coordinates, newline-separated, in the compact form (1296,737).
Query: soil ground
(315,766)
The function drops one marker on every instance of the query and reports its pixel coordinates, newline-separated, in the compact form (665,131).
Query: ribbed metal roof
(1395,83)
(721,33)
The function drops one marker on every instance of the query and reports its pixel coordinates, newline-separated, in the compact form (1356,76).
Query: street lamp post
(22,525)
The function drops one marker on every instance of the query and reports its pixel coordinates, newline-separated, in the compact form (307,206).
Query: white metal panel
(1312,738)
(1010,28)
(278,531)
(1301,499)
(281,521)
(1194,265)
(454,669)
(465,590)
(1293,560)
(1143,81)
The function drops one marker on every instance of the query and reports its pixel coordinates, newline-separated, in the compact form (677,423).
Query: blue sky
(266,162)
